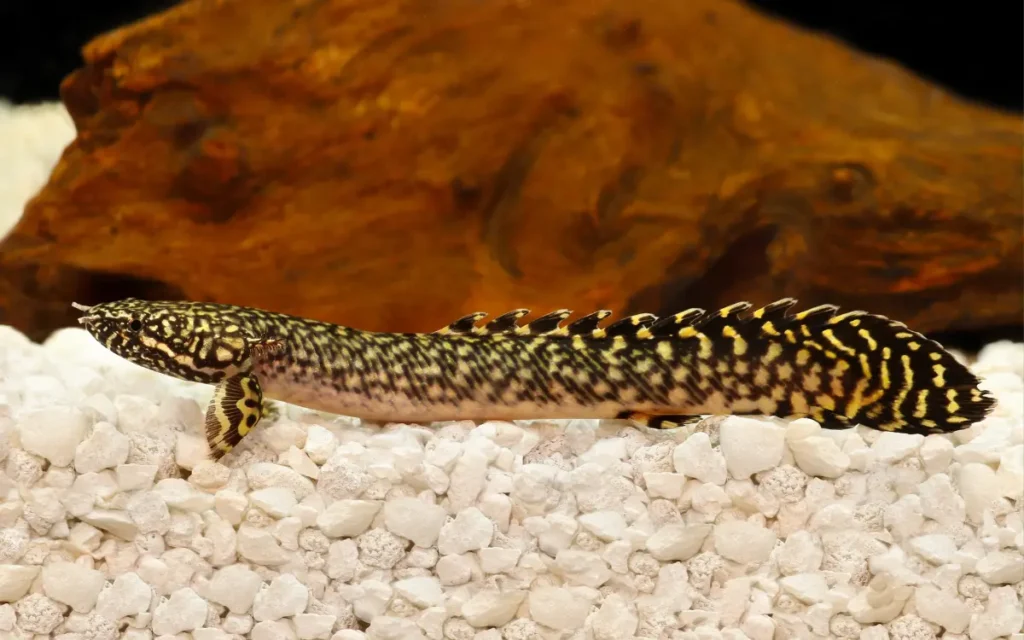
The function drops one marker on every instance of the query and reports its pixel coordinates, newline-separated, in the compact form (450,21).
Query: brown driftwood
(391,164)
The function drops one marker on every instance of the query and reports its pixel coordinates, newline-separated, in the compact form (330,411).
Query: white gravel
(113,525)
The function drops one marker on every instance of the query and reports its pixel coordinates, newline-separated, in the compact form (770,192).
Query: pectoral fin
(236,407)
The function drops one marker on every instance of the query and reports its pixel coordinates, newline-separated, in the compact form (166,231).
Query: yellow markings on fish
(922,404)
(837,343)
(953,405)
(664,349)
(739,345)
(774,351)
(770,329)
(868,338)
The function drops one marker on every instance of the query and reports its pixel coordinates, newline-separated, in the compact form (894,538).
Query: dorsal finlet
(465,324)
(820,312)
(669,326)
(546,323)
(630,325)
(734,309)
(506,321)
(774,310)
(588,323)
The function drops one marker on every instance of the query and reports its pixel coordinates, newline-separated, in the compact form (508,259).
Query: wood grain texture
(394,164)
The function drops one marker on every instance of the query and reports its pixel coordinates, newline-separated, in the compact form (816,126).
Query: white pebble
(492,608)
(1000,567)
(677,542)
(820,456)
(808,588)
(467,480)
(1002,616)
(128,595)
(606,525)
(54,433)
(230,505)
(393,628)
(694,457)
(759,627)
(179,494)
(276,502)
(979,488)
(370,599)
(149,512)
(801,553)
(183,611)
(273,630)
(347,518)
(15,581)
(285,596)
(584,568)
(235,587)
(260,546)
(268,474)
(132,477)
(743,541)
(454,570)
(662,484)
(313,626)
(558,607)
(616,619)
(892,447)
(940,502)
(414,520)
(942,608)
(38,614)
(937,548)
(497,507)
(468,531)
(190,450)
(421,591)
(320,444)
(750,445)
(105,448)
(298,459)
(72,584)
(495,560)
(936,452)
(116,522)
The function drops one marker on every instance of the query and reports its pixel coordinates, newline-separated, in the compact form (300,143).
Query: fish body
(840,369)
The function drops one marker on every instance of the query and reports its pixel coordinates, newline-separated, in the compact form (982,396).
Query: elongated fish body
(839,369)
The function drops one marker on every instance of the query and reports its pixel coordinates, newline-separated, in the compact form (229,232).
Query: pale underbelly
(385,406)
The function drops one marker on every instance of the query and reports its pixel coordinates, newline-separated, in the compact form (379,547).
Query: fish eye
(135,325)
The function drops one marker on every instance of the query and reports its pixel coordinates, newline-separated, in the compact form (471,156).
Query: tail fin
(854,368)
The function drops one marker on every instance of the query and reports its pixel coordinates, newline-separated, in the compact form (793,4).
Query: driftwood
(391,165)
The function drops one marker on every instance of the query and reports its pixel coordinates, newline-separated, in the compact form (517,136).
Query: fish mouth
(85,320)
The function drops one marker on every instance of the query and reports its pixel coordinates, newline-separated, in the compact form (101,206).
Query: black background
(974,49)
